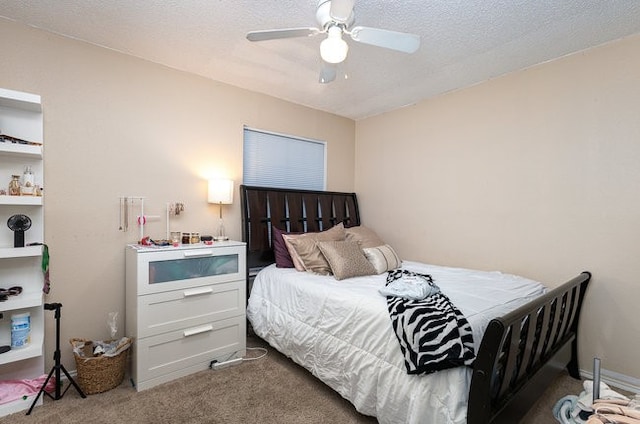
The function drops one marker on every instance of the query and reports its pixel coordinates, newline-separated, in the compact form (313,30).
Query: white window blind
(283,161)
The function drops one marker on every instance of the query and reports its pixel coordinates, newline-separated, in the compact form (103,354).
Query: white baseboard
(615,380)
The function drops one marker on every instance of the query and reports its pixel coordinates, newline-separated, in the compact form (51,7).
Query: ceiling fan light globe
(334,49)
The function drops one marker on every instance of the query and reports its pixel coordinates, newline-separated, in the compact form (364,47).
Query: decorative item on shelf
(221,192)
(15,140)
(173,209)
(14,185)
(28,182)
(11,291)
(126,203)
(208,240)
(18,223)
(148,241)
(195,238)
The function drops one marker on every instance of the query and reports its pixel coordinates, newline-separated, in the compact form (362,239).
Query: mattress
(341,332)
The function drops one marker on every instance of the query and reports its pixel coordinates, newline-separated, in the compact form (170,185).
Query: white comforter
(341,332)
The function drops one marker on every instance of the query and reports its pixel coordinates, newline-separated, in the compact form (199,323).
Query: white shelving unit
(21,117)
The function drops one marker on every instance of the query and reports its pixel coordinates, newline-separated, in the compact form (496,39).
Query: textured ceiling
(463,42)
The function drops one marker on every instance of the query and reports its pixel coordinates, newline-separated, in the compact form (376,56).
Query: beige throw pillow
(363,235)
(297,264)
(383,258)
(346,259)
(306,255)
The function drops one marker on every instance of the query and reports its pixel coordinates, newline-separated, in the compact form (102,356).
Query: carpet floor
(270,390)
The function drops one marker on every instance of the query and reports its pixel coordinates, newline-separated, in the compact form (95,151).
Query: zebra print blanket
(433,333)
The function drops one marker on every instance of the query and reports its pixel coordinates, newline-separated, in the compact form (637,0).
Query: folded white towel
(412,287)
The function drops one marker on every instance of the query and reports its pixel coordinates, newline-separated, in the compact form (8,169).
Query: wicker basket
(100,373)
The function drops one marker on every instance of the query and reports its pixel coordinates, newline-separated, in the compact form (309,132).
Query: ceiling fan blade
(327,73)
(341,10)
(273,34)
(400,41)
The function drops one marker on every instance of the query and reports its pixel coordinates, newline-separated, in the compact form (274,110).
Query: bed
(339,330)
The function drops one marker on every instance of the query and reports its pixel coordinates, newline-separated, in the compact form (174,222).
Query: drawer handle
(195,253)
(197,292)
(194,331)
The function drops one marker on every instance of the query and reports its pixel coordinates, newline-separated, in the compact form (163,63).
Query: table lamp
(221,192)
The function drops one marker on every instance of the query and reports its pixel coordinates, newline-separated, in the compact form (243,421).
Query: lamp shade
(333,49)
(221,191)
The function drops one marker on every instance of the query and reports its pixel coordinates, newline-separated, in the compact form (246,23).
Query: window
(283,161)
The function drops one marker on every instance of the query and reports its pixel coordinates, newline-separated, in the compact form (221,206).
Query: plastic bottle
(20,330)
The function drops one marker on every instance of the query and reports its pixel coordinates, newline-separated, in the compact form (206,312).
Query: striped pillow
(383,258)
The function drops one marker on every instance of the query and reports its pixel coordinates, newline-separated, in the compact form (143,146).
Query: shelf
(19,405)
(20,150)
(33,350)
(21,200)
(20,252)
(21,301)
(19,100)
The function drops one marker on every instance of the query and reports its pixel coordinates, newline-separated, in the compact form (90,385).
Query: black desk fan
(19,223)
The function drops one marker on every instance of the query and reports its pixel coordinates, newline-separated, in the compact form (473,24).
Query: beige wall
(535,173)
(116,125)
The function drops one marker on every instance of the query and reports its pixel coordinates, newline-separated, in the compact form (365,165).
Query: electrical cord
(261,349)
(212,364)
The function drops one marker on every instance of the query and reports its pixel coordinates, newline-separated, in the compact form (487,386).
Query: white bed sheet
(342,333)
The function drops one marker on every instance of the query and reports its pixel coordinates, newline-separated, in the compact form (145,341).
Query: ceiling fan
(336,18)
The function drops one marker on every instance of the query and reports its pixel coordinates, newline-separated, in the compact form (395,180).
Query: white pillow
(383,258)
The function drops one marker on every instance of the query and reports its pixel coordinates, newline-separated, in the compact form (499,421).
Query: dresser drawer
(168,311)
(176,350)
(174,269)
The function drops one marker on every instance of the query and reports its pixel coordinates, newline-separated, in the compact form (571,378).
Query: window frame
(288,137)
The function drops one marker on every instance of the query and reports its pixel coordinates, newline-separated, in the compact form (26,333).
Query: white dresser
(185,307)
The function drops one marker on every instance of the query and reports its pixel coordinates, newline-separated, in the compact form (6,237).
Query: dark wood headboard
(292,211)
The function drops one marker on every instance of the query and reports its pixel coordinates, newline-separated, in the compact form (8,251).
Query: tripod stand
(58,366)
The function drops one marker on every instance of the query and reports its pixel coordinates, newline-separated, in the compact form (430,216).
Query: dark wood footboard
(522,352)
